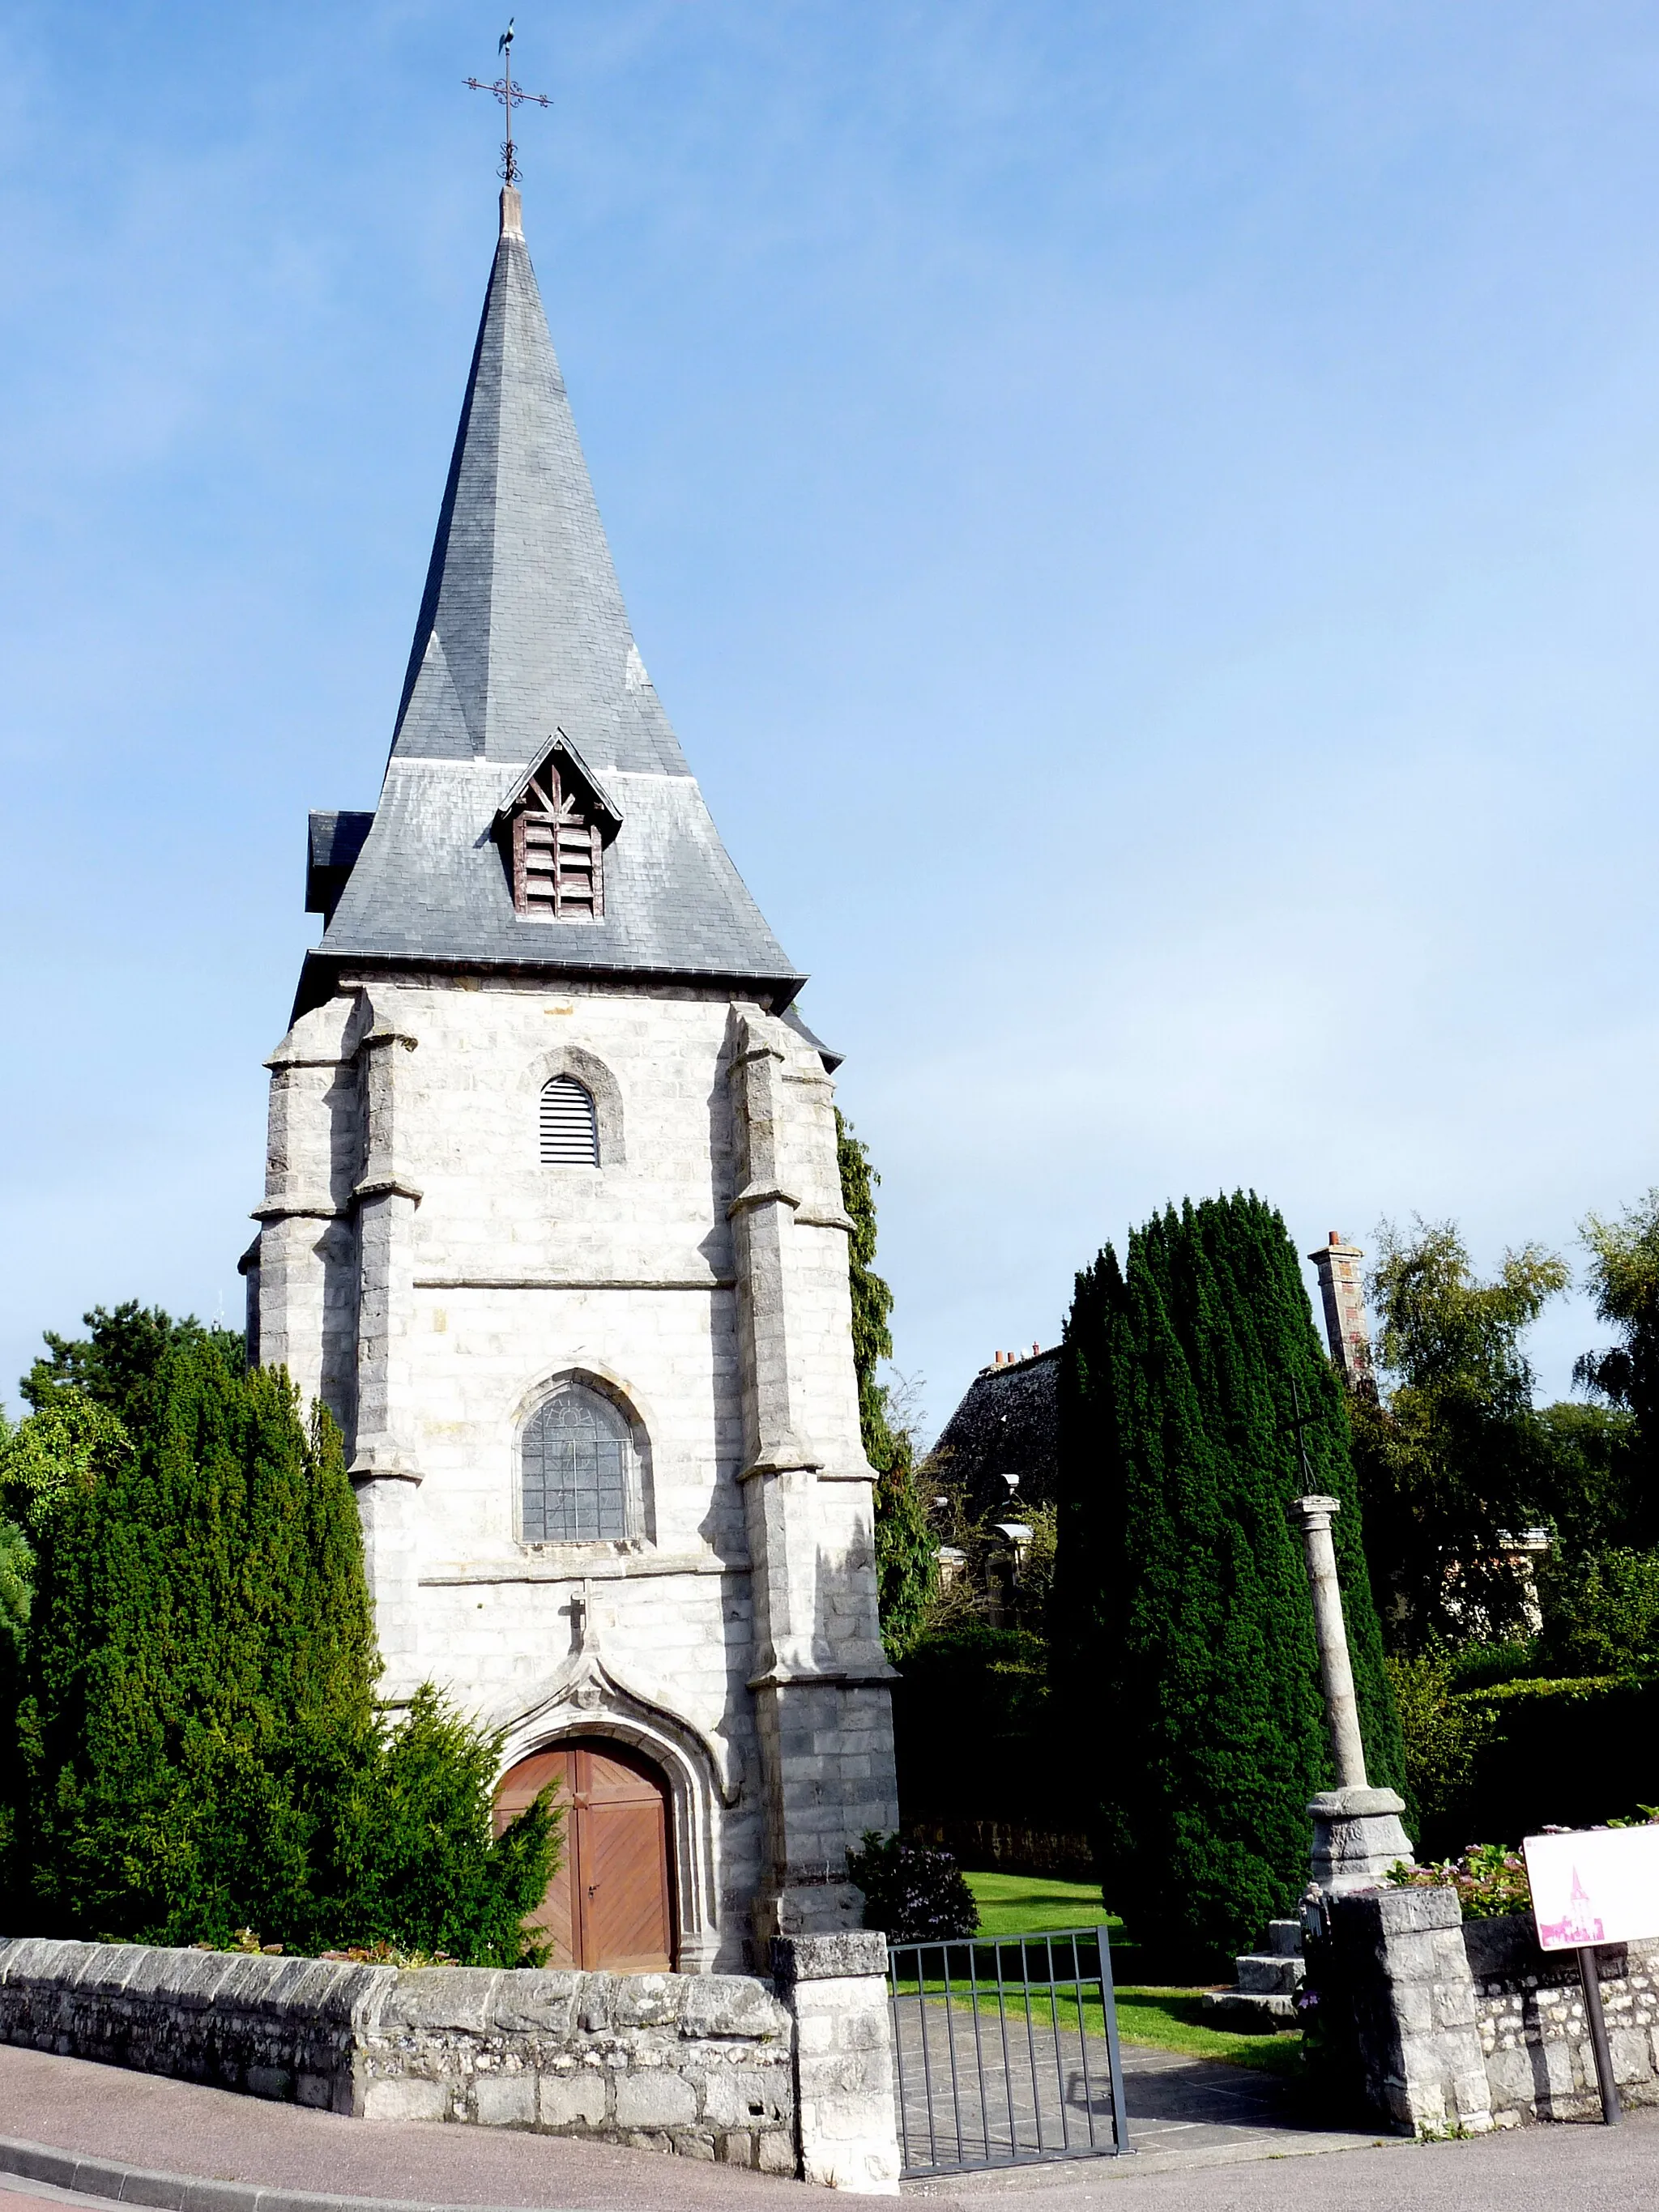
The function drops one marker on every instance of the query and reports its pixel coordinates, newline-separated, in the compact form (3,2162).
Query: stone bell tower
(552,1224)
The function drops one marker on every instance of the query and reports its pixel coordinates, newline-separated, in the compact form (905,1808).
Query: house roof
(522,634)
(1007,1423)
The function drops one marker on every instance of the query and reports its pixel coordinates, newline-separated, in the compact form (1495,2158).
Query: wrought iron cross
(1300,1422)
(510,95)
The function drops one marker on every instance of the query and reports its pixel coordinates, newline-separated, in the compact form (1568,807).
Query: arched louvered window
(570,1125)
(578,1468)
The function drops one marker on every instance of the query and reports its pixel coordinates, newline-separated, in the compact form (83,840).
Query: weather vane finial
(510,95)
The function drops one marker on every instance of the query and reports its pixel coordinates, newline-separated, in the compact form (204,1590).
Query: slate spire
(522,636)
(522,627)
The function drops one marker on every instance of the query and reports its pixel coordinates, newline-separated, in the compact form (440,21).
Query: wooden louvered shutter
(558,854)
(570,1125)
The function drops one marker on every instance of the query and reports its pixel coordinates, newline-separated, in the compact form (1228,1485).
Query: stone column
(1356,1832)
(823,1715)
(835,1986)
(383,1470)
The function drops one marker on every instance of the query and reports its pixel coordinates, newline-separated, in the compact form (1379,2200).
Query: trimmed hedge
(1567,1753)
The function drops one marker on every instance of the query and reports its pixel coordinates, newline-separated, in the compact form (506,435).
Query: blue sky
(1144,517)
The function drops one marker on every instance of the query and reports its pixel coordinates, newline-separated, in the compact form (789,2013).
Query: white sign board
(1594,1886)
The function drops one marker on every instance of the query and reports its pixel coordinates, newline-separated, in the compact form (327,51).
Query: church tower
(553,1225)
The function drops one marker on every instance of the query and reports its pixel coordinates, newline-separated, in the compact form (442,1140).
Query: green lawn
(1169,2018)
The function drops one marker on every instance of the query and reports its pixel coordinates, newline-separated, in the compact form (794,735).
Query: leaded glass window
(577,1462)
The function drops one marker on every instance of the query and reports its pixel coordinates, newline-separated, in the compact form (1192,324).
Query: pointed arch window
(578,1471)
(553,831)
(570,1124)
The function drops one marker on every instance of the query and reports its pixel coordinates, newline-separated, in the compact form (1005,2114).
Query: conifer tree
(198,1743)
(907,1562)
(1191,1671)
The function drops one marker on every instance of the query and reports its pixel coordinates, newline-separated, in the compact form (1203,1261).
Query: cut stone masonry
(794,2078)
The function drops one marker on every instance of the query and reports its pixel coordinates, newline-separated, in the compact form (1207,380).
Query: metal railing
(1005,2051)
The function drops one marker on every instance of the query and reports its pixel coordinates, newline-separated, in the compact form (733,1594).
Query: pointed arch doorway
(609,1907)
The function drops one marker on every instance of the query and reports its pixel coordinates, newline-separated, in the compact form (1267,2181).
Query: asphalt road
(1573,2167)
(179,2128)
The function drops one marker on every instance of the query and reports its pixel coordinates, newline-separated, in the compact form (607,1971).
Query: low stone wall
(702,2064)
(1431,2023)
(1529,2010)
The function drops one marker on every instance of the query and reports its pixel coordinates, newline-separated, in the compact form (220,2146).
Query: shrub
(1443,1734)
(1483,1666)
(1490,1880)
(912,1894)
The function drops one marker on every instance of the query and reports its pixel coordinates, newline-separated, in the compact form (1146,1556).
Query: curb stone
(183,2192)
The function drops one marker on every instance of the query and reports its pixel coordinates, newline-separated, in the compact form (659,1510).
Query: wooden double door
(610,1906)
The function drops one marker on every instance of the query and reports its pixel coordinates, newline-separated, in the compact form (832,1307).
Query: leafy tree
(1624,1275)
(1595,1490)
(116,1364)
(907,1565)
(1182,1603)
(17,1591)
(197,1742)
(1600,1612)
(1451,1455)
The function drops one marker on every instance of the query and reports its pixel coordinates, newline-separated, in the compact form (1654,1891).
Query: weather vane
(510,95)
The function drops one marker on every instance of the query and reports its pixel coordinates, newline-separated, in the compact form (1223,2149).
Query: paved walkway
(970,2094)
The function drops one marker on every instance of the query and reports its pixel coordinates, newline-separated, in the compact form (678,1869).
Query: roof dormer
(553,828)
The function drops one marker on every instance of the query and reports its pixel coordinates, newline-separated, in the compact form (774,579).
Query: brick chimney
(1337,1265)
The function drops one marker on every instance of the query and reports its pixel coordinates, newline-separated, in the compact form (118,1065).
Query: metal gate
(1005,2051)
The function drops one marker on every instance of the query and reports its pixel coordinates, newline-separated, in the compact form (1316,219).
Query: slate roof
(523,633)
(1008,1423)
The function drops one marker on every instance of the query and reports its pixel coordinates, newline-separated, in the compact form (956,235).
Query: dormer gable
(552,828)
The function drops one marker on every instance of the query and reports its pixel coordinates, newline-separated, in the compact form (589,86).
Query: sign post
(1593,1886)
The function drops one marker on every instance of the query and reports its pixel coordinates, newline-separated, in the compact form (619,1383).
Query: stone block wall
(1529,2010)
(1397,2009)
(835,1986)
(699,2064)
(1431,2023)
